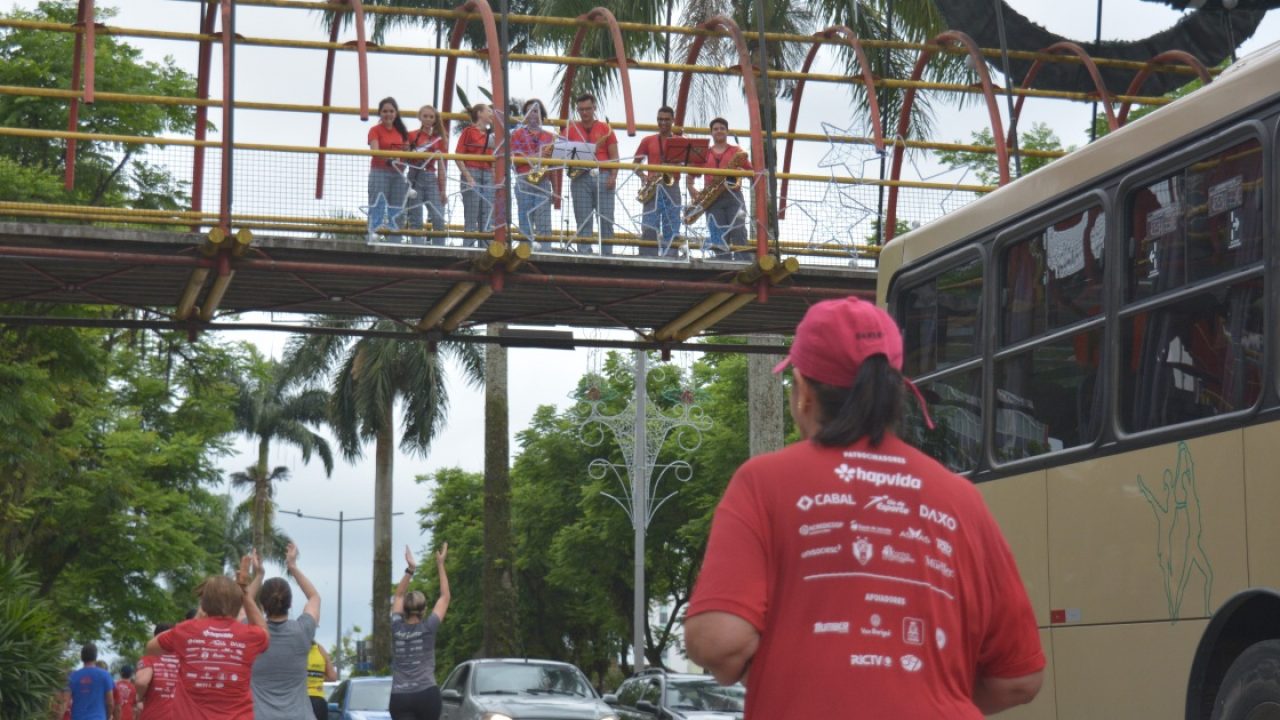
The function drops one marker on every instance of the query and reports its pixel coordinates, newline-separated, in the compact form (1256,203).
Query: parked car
(512,689)
(361,698)
(664,695)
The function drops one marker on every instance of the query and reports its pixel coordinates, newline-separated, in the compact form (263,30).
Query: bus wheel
(1251,688)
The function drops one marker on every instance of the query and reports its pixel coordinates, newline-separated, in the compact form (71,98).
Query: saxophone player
(530,144)
(661,191)
(727,213)
(594,191)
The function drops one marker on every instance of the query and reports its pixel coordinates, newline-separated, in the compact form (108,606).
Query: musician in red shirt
(662,212)
(593,190)
(530,143)
(385,178)
(477,175)
(424,175)
(727,214)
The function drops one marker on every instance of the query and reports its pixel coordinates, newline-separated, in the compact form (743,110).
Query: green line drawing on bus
(1179,530)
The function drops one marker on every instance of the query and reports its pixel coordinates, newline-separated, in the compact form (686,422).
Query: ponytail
(872,407)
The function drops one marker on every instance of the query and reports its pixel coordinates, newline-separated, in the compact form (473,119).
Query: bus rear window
(1197,223)
(1053,278)
(941,319)
(1048,397)
(1195,358)
(955,403)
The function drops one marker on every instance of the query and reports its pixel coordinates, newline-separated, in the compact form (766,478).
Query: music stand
(679,150)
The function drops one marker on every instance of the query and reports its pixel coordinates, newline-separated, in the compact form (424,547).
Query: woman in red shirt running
(389,134)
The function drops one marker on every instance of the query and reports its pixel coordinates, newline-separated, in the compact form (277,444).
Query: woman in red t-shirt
(389,134)
(216,651)
(477,175)
(423,175)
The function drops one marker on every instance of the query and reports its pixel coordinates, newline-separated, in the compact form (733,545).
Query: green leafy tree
(985,165)
(31,666)
(237,537)
(271,409)
(109,447)
(369,376)
(107,173)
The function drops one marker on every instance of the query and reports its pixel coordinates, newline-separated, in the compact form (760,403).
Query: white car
(513,689)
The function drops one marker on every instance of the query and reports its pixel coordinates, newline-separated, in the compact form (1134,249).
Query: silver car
(520,689)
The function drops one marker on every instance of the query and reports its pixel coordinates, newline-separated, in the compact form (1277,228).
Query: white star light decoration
(381,216)
(924,176)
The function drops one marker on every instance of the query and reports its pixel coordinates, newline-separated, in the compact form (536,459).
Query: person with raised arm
(414,693)
(280,673)
(216,651)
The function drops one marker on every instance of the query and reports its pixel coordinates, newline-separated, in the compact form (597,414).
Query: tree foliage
(573,544)
(107,173)
(31,668)
(109,445)
(985,165)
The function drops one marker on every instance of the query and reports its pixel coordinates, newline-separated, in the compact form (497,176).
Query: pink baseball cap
(836,336)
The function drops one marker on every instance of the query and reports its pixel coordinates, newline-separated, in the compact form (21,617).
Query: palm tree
(237,530)
(268,409)
(369,375)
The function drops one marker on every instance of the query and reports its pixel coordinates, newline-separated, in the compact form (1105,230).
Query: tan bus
(1098,343)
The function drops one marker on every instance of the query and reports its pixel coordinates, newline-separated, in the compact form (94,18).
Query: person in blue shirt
(90,689)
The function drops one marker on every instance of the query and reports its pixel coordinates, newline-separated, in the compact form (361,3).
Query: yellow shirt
(315,672)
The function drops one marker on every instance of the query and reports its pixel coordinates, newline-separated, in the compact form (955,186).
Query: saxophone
(576,172)
(712,192)
(534,177)
(650,188)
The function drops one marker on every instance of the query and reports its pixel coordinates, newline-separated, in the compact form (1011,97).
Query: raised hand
(408,558)
(442,554)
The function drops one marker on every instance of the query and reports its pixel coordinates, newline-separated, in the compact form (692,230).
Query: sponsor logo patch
(944,547)
(889,554)
(856,526)
(879,479)
(941,567)
(914,534)
(806,502)
(885,599)
(831,628)
(938,517)
(911,663)
(819,528)
(863,551)
(913,631)
(871,660)
(886,504)
(940,638)
(820,551)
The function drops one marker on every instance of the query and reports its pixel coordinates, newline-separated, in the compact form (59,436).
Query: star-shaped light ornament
(843,156)
(382,217)
(933,175)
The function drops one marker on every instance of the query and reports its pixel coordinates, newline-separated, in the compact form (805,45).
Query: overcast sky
(536,376)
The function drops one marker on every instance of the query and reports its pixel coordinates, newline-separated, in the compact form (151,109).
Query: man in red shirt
(216,651)
(126,696)
(157,683)
(727,213)
(662,212)
(849,575)
(593,190)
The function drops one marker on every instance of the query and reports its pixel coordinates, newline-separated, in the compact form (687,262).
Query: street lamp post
(341,520)
(641,430)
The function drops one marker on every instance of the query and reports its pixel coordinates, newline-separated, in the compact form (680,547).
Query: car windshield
(369,695)
(530,678)
(705,695)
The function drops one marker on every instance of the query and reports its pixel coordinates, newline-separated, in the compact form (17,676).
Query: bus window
(1053,278)
(1048,397)
(941,319)
(1200,222)
(955,403)
(1197,357)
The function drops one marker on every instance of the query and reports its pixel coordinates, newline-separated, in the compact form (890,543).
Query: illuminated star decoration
(844,155)
(412,194)
(381,216)
(943,201)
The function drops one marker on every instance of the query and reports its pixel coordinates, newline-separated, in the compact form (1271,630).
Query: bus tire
(1251,688)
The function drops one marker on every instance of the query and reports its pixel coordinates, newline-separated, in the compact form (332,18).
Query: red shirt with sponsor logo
(878,581)
(215,661)
(157,703)
(126,697)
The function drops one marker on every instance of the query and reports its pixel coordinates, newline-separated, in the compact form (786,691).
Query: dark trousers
(421,705)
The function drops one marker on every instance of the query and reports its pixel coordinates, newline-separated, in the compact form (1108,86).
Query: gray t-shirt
(413,653)
(280,674)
